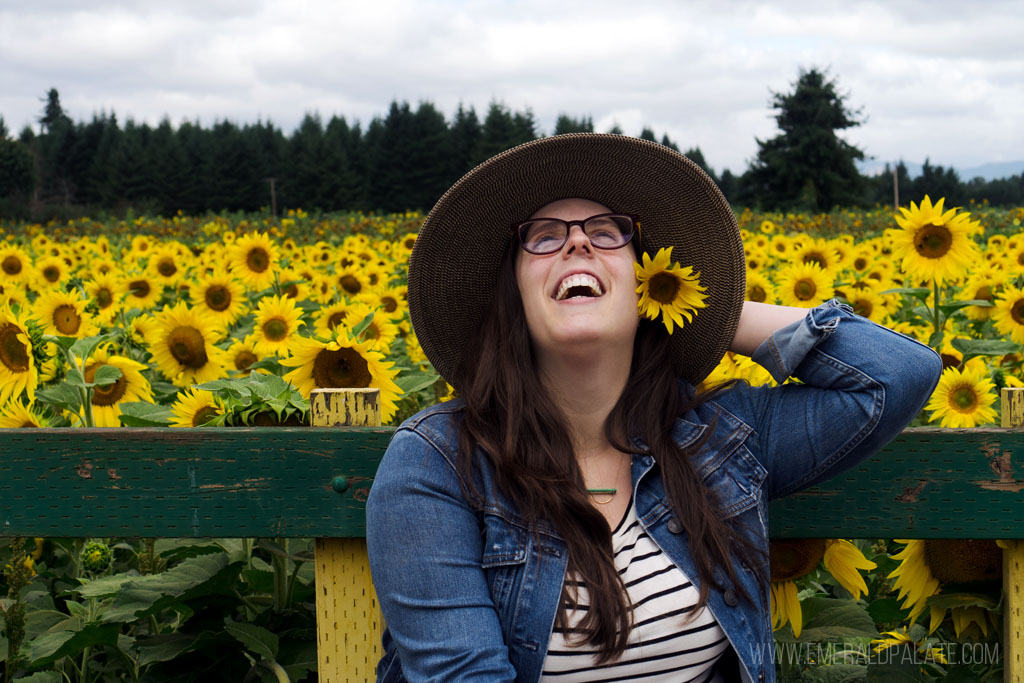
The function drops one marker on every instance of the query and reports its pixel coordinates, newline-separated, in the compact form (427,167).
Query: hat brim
(454,264)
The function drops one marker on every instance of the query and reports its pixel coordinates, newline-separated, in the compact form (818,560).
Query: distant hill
(990,171)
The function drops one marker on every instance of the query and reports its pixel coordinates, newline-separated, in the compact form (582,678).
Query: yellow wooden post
(348,622)
(1012,411)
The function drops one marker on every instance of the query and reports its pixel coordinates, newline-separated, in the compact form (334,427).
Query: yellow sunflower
(14,415)
(791,559)
(804,285)
(330,317)
(277,322)
(167,265)
(901,637)
(50,272)
(350,280)
(183,346)
(221,295)
(140,291)
(297,288)
(15,265)
(760,288)
(983,285)
(242,354)
(820,251)
(106,291)
(927,564)
(63,314)
(380,332)
(253,260)
(934,244)
(17,368)
(130,386)
(868,304)
(668,289)
(1008,313)
(195,407)
(963,398)
(388,302)
(343,363)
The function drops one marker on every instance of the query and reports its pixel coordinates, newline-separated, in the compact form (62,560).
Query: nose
(577,240)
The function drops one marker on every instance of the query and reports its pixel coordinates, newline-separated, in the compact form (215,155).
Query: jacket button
(760,676)
(730,598)
(675,526)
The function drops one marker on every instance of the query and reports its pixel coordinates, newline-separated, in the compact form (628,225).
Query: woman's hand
(758,321)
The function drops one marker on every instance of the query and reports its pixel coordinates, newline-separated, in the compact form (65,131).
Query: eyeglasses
(542,236)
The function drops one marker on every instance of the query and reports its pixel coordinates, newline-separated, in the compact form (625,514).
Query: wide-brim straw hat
(454,264)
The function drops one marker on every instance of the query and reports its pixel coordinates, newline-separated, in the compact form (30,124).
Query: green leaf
(105,586)
(894,673)
(413,383)
(144,414)
(84,348)
(921,293)
(961,673)
(950,600)
(64,343)
(74,377)
(358,330)
(256,639)
(935,341)
(983,347)
(168,646)
(105,375)
(51,646)
(149,594)
(886,611)
(835,673)
(62,396)
(40,677)
(832,619)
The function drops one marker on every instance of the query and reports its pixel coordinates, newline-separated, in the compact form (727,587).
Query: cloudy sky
(934,79)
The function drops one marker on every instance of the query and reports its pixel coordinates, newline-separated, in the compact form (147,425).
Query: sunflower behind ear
(668,289)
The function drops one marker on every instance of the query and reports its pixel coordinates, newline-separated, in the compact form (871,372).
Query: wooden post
(348,622)
(1012,411)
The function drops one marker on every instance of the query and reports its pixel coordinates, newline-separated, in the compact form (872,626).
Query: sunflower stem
(935,317)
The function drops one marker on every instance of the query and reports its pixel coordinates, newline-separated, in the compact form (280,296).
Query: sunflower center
(28,424)
(218,297)
(139,288)
(963,399)
(335,319)
(933,241)
(51,273)
(187,346)
(11,265)
(863,308)
(804,289)
(107,395)
(663,287)
(350,284)
(291,291)
(66,320)
(371,331)
(815,257)
(257,259)
(203,414)
(243,359)
(860,263)
(961,561)
(104,297)
(949,360)
(1017,312)
(757,293)
(13,354)
(343,368)
(795,557)
(389,303)
(275,329)
(984,292)
(166,267)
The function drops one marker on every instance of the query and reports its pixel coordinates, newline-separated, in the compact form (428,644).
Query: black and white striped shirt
(661,647)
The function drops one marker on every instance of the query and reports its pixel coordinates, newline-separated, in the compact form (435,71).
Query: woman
(582,512)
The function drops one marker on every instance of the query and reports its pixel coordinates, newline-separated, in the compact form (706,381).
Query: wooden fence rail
(313,483)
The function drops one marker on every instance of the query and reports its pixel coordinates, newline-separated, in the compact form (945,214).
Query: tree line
(408,158)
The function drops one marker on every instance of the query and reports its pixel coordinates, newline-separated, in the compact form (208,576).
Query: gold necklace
(606,492)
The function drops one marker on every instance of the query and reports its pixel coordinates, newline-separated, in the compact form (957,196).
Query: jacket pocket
(736,481)
(504,554)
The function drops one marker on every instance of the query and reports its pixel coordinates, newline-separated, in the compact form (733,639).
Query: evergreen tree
(465,135)
(615,130)
(808,164)
(648,134)
(568,124)
(502,130)
(16,178)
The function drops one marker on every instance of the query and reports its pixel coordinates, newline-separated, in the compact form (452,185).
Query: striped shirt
(661,648)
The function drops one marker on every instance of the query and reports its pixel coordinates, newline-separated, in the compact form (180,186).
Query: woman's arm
(425,547)
(758,321)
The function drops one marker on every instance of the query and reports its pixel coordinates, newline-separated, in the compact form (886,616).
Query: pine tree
(465,135)
(568,124)
(808,165)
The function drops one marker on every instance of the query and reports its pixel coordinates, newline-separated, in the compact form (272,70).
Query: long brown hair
(512,417)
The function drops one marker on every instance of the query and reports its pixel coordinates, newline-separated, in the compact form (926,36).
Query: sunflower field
(222,320)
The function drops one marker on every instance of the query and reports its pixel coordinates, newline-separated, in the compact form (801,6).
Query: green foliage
(807,165)
(258,399)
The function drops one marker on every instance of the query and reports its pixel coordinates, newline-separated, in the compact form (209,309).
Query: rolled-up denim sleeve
(425,547)
(862,384)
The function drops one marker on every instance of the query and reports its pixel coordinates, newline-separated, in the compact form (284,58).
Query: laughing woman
(582,512)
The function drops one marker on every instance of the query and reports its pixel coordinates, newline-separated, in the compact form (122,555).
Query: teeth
(579,280)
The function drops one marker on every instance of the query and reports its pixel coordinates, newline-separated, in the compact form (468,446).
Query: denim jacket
(471,596)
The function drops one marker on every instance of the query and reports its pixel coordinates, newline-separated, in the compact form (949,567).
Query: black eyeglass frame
(517,230)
